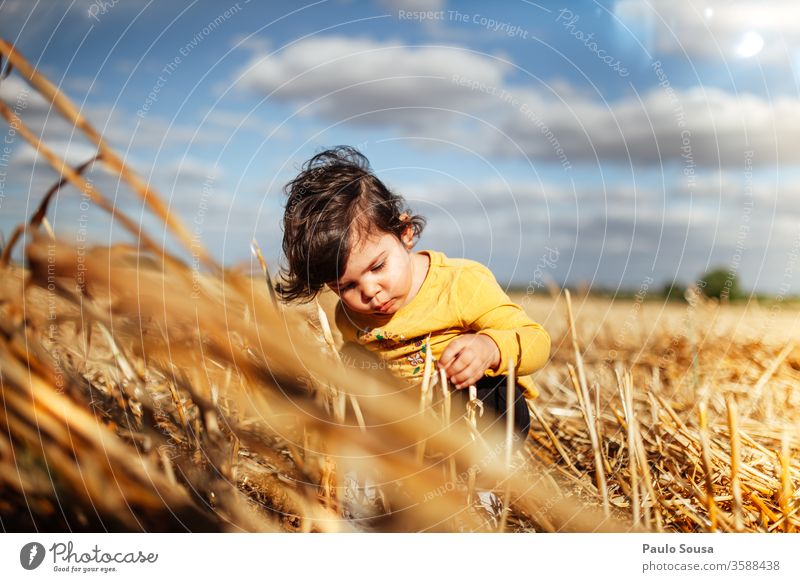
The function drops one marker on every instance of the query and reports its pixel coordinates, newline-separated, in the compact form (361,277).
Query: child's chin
(366,311)
(392,308)
(390,312)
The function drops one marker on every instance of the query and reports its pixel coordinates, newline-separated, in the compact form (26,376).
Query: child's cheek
(352,300)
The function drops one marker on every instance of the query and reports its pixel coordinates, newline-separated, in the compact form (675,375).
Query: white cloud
(701,125)
(20,97)
(454,95)
(378,82)
(713,28)
(414,5)
(73,152)
(190,170)
(616,235)
(241,121)
(251,42)
(81,86)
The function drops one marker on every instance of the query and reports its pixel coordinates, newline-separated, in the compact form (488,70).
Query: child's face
(378,274)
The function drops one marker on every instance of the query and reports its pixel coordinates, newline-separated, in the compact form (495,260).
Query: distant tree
(674,291)
(720,283)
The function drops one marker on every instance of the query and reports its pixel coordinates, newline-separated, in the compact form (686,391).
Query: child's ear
(408,236)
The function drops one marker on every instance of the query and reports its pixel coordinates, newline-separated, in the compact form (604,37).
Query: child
(344,229)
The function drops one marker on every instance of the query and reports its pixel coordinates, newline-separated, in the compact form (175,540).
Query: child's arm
(487,309)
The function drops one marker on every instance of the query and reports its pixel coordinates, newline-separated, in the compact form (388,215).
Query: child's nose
(370,290)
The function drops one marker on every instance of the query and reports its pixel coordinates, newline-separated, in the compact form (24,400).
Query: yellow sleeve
(489,311)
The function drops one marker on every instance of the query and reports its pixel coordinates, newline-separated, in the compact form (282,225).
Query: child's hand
(466,358)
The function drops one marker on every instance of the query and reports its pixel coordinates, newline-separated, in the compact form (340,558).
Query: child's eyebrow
(374,262)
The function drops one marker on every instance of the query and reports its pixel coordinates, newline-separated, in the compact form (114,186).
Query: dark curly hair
(334,196)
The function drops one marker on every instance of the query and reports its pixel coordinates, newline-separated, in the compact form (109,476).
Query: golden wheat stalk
(587,408)
(63,169)
(65,106)
(473,405)
(626,397)
(769,372)
(423,396)
(511,389)
(256,250)
(735,440)
(446,414)
(711,504)
(785,495)
(553,438)
(328,336)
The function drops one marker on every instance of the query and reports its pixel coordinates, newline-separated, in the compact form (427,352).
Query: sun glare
(750,45)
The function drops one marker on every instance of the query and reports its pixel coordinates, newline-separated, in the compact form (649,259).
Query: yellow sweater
(457,296)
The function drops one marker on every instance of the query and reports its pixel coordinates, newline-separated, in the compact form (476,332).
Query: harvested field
(134,408)
(704,394)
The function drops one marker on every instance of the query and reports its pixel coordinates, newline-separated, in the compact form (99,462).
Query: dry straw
(72,114)
(586,406)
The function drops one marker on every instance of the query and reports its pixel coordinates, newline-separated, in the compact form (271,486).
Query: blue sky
(633,140)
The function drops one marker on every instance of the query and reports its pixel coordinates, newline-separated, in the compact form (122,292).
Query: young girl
(344,229)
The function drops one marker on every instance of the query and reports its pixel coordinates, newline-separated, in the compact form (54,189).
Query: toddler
(345,230)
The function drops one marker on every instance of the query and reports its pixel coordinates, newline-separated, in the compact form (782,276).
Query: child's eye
(379,267)
(346,287)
